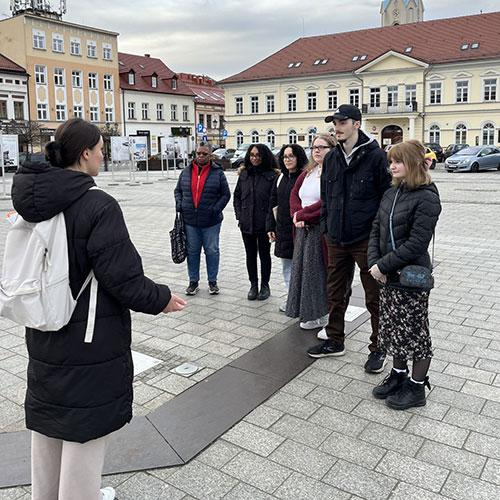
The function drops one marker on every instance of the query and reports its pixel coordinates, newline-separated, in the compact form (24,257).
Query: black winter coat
(79,391)
(283,227)
(251,199)
(214,198)
(416,213)
(351,193)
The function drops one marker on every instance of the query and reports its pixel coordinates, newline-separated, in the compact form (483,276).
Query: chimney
(147,55)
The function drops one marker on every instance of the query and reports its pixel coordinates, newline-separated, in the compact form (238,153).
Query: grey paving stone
(143,486)
(144,393)
(451,458)
(213,361)
(189,340)
(218,454)
(456,399)
(470,373)
(453,357)
(302,431)
(413,471)
(437,431)
(334,399)
(219,348)
(244,491)
(360,481)
(404,491)
(478,423)
(174,384)
(201,481)
(292,404)
(10,414)
(445,380)
(484,445)
(491,472)
(300,487)
(491,409)
(222,336)
(298,387)
(433,410)
(330,364)
(360,389)
(460,487)
(339,421)
(325,378)
(12,494)
(392,439)
(264,416)
(482,390)
(379,412)
(257,471)
(253,438)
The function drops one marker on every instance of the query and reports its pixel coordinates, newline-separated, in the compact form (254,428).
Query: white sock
(398,370)
(416,381)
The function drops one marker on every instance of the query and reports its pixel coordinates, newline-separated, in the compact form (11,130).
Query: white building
(13,91)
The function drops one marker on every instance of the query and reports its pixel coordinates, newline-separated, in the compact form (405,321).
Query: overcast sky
(223,37)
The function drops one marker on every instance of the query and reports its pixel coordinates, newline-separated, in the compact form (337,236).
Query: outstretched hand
(175,304)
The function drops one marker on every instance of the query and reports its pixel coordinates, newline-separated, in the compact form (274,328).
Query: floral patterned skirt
(404,323)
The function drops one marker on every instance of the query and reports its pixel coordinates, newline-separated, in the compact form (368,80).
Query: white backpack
(34,288)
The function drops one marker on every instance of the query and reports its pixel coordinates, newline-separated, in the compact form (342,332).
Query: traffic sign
(224,133)
(205,138)
(199,128)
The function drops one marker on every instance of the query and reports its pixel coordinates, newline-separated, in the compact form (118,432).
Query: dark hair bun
(53,153)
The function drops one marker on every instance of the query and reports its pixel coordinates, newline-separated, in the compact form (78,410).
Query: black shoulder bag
(178,240)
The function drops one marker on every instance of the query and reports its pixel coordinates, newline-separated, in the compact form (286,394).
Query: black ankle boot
(253,292)
(410,394)
(390,384)
(264,293)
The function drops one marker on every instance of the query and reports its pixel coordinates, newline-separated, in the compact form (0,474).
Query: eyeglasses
(288,157)
(200,153)
(320,148)
(254,156)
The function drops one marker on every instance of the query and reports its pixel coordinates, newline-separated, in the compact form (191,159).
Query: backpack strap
(279,180)
(89,332)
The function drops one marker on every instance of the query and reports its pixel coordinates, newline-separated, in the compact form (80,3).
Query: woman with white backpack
(80,387)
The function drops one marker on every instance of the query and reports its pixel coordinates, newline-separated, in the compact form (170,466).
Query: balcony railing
(385,108)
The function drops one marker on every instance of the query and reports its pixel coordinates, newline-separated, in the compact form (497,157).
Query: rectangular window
(78,111)
(209,121)
(354,97)
(109,115)
(106,52)
(154,82)
(185,113)
(131,110)
(76,79)
(239,105)
(38,39)
(435,93)
(41,111)
(462,91)
(108,82)
(75,47)
(333,99)
(201,119)
(311,101)
(375,97)
(159,112)
(93,81)
(173,112)
(254,104)
(40,74)
(131,78)
(94,114)
(392,96)
(59,77)
(490,89)
(91,49)
(57,43)
(61,112)
(410,94)
(292,102)
(18,110)
(3,110)
(145,111)
(270,103)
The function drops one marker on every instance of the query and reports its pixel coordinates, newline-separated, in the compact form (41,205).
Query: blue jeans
(208,238)
(287,271)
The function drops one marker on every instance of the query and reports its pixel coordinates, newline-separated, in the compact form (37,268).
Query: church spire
(393,12)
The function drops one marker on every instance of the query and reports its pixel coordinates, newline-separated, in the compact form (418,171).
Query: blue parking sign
(199,128)
(224,133)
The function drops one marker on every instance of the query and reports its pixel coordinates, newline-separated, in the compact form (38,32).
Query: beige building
(409,80)
(73,68)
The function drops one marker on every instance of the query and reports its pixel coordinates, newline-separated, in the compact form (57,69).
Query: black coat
(214,198)
(416,213)
(79,391)
(283,226)
(251,199)
(351,193)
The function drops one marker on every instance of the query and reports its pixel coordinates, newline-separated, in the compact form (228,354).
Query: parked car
(429,153)
(437,149)
(452,149)
(239,155)
(222,153)
(474,159)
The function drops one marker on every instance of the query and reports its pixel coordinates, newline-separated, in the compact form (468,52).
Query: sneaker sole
(405,407)
(212,292)
(378,370)
(192,293)
(330,355)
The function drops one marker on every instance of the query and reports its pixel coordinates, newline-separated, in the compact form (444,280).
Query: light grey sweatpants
(64,470)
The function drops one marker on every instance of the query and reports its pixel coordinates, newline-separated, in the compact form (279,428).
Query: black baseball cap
(344,112)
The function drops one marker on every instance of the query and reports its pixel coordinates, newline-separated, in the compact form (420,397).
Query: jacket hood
(213,164)
(425,187)
(40,191)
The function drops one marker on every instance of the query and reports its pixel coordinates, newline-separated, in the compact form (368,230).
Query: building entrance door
(392,134)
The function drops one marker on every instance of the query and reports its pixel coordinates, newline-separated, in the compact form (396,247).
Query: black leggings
(258,243)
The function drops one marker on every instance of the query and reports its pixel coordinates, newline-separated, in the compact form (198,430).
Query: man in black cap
(355,176)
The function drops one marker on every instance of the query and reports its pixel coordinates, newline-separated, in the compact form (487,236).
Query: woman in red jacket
(307,297)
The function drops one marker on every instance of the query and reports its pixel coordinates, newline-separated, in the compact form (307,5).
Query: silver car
(474,159)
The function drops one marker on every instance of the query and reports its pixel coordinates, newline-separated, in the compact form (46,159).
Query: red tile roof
(144,67)
(7,64)
(433,42)
(205,89)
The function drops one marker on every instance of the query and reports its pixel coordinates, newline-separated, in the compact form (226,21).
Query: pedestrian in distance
(308,295)
(201,195)
(80,391)
(355,177)
(400,236)
(280,228)
(251,204)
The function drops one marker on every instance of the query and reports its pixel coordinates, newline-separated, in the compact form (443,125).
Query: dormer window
(131,78)
(174,83)
(408,50)
(363,57)
(465,46)
(474,45)
(154,81)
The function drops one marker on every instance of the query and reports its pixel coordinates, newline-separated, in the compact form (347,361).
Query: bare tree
(107,131)
(29,132)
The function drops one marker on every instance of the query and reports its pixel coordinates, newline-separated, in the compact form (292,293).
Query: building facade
(73,68)
(394,12)
(156,103)
(409,82)
(13,91)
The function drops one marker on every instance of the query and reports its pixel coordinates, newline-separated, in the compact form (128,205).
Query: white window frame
(93,81)
(254,137)
(61,115)
(185,113)
(91,49)
(94,114)
(333,99)
(76,79)
(435,134)
(154,82)
(109,115)
(254,104)
(57,43)
(270,103)
(488,134)
(75,47)
(145,111)
(59,77)
(159,111)
(392,96)
(311,134)
(39,40)
(173,112)
(271,137)
(490,90)
(312,101)
(78,111)
(410,94)
(238,102)
(462,91)
(108,82)
(292,136)
(131,111)
(107,52)
(354,97)
(435,93)
(40,74)
(375,93)
(461,133)
(239,138)
(42,111)
(131,78)
(291,100)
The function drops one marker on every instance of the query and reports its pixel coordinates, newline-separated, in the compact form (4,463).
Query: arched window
(239,138)
(435,134)
(461,134)
(292,136)
(255,137)
(311,134)
(488,134)
(271,138)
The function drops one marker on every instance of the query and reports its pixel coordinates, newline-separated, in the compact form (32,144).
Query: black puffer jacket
(416,213)
(351,193)
(251,198)
(283,226)
(214,198)
(78,391)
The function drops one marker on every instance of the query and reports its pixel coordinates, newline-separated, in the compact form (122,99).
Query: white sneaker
(108,493)
(323,321)
(309,325)
(322,335)
(283,307)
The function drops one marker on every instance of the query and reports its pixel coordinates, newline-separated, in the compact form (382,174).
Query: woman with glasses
(308,296)
(251,203)
(291,159)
